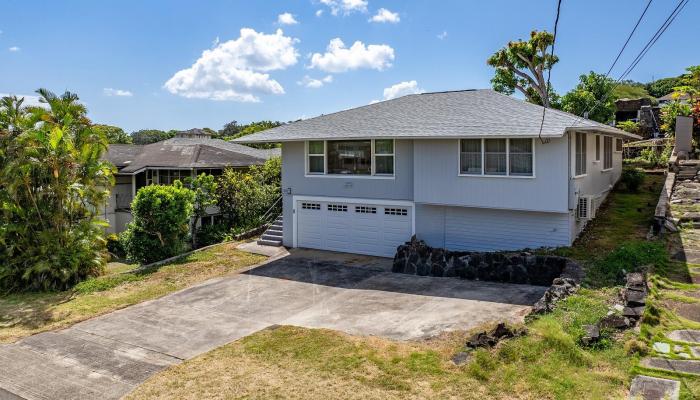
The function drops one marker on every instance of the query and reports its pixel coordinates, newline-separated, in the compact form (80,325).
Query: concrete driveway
(106,357)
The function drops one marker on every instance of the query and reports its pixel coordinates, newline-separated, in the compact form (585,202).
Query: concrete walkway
(108,356)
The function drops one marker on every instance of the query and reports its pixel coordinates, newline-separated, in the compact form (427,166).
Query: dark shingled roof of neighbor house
(455,114)
(186,153)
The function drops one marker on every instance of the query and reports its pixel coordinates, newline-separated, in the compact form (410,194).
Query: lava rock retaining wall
(417,258)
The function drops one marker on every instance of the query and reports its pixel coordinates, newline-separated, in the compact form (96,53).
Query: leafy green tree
(629,126)
(160,224)
(230,130)
(204,188)
(244,196)
(148,136)
(669,112)
(234,131)
(662,87)
(114,134)
(522,65)
(585,97)
(53,183)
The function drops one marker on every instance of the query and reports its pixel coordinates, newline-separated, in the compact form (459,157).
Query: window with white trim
(618,145)
(498,157)
(580,154)
(317,157)
(384,157)
(597,147)
(520,157)
(495,156)
(470,156)
(607,152)
(351,157)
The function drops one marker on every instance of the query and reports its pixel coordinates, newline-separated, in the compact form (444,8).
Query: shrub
(160,225)
(115,247)
(632,178)
(211,234)
(244,196)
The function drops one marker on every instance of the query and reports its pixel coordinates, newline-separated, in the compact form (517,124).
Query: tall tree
(522,65)
(662,87)
(591,89)
(114,134)
(53,188)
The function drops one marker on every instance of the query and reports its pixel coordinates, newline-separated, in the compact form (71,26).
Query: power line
(628,38)
(659,32)
(549,70)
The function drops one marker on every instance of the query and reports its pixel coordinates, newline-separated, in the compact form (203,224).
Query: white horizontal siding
(478,229)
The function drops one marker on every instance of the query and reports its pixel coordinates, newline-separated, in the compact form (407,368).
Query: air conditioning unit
(585,209)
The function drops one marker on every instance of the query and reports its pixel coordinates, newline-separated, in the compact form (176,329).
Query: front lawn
(24,314)
(548,363)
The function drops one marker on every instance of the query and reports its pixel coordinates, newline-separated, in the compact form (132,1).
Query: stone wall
(417,258)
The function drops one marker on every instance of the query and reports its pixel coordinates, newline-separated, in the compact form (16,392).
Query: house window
(317,157)
(520,157)
(597,147)
(169,176)
(618,145)
(607,152)
(495,154)
(580,154)
(351,157)
(151,177)
(470,156)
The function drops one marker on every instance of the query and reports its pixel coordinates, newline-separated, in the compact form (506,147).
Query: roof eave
(606,129)
(305,138)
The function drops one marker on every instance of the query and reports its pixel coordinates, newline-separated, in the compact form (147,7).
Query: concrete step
(650,388)
(275,229)
(275,243)
(684,366)
(267,236)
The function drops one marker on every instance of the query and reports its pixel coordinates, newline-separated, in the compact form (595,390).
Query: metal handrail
(267,214)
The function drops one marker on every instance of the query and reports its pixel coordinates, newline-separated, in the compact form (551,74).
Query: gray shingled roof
(186,153)
(478,113)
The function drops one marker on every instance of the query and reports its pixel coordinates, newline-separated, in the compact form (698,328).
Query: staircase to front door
(273,234)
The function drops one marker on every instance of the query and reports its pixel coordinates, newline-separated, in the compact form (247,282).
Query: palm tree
(54,186)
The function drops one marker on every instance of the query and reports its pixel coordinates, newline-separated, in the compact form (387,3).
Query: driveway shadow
(340,270)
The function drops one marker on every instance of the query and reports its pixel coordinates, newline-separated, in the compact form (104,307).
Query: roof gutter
(303,139)
(605,129)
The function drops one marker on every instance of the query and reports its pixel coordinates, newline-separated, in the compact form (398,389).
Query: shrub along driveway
(108,356)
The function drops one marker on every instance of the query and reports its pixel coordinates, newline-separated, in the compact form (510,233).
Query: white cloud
(14,49)
(313,83)
(29,100)
(234,70)
(116,92)
(442,35)
(339,58)
(384,15)
(345,6)
(286,19)
(319,13)
(402,89)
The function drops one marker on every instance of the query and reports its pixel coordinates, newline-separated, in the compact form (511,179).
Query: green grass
(24,314)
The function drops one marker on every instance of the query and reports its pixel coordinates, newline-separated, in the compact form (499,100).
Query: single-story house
(189,153)
(462,170)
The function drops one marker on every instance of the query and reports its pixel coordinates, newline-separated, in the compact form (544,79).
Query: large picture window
(607,152)
(496,157)
(580,154)
(351,157)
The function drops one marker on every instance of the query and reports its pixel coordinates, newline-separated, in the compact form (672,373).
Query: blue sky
(140,64)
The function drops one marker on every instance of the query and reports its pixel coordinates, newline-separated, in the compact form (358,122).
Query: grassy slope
(29,313)
(291,362)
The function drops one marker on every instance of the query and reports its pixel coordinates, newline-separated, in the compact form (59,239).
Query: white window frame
(598,148)
(622,145)
(612,151)
(483,151)
(375,155)
(585,155)
(325,173)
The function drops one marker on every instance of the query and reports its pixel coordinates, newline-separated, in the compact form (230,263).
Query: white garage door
(362,228)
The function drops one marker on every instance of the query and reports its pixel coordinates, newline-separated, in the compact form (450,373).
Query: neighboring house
(463,170)
(188,154)
(671,97)
(643,111)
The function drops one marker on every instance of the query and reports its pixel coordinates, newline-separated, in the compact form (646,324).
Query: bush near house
(245,196)
(160,225)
